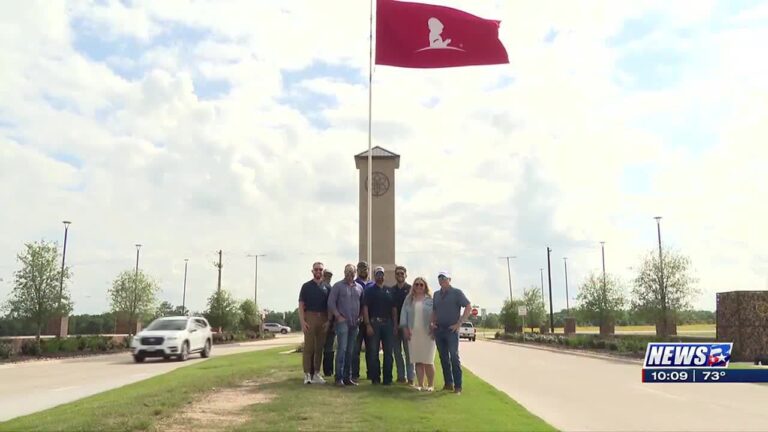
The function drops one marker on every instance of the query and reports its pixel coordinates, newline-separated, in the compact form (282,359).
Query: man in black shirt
(314,318)
(331,335)
(380,316)
(405,369)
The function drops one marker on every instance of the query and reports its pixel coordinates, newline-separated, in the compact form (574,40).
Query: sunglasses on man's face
(399,274)
(317,269)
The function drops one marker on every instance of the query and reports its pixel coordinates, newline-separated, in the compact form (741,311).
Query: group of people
(406,322)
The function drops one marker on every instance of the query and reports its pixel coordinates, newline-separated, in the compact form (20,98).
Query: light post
(63,260)
(662,287)
(509,275)
(184,294)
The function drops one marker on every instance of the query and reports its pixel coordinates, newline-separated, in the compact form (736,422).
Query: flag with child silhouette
(417,35)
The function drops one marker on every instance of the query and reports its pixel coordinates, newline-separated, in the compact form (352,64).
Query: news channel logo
(666,355)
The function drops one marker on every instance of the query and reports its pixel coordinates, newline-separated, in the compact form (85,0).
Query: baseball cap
(362,264)
(378,269)
(444,274)
(328,272)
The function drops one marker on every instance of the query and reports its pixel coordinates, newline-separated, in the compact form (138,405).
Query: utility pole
(509,275)
(549,279)
(132,330)
(256,279)
(663,290)
(218,266)
(63,259)
(184,295)
(567,297)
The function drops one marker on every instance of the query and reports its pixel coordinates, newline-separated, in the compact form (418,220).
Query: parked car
(468,331)
(169,337)
(276,328)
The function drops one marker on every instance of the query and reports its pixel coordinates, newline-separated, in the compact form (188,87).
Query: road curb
(571,352)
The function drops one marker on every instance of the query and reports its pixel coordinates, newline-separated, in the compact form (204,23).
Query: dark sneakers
(457,390)
(350,383)
(448,387)
(340,384)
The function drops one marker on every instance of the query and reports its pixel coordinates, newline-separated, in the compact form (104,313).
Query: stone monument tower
(383,221)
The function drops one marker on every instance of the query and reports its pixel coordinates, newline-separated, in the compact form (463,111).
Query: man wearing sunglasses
(314,318)
(405,369)
(362,280)
(380,316)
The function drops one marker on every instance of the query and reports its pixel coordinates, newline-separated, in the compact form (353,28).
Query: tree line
(608,300)
(41,291)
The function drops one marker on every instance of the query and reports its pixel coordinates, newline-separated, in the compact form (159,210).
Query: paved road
(34,386)
(576,393)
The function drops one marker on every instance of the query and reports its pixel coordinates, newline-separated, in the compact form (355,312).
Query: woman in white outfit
(414,321)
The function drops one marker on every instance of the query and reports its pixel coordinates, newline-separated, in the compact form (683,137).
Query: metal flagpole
(370,147)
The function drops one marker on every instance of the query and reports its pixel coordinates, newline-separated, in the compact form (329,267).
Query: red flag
(417,35)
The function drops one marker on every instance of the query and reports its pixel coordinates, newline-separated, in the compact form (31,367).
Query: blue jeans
(361,338)
(404,370)
(345,346)
(382,334)
(448,347)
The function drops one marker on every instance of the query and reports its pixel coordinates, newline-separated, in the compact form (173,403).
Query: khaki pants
(314,341)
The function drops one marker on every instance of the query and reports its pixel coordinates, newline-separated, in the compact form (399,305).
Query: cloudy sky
(193,126)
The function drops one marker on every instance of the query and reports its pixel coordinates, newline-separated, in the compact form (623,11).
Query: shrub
(50,346)
(6,351)
(30,347)
(96,344)
(82,343)
(69,344)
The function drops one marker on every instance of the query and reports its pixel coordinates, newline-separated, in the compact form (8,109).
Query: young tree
(135,295)
(598,302)
(35,295)
(180,311)
(222,310)
(164,309)
(509,317)
(535,307)
(250,319)
(679,285)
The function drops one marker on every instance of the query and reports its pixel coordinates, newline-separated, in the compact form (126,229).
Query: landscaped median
(263,390)
(28,348)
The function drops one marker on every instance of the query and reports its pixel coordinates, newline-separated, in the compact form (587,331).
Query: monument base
(570,326)
(58,326)
(607,328)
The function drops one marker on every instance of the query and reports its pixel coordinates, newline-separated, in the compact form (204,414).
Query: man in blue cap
(446,322)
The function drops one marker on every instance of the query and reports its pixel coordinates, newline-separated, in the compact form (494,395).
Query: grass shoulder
(281,402)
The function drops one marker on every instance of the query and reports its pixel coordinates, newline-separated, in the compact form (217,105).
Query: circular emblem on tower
(380,184)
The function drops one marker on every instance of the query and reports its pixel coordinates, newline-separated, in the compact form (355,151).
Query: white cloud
(495,161)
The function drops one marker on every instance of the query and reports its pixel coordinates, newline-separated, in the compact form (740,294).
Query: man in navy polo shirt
(314,319)
(446,322)
(380,316)
(362,280)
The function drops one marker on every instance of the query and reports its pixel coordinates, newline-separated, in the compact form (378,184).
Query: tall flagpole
(370,147)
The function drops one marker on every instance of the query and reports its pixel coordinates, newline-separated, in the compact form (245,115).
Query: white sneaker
(307,378)
(430,389)
(317,379)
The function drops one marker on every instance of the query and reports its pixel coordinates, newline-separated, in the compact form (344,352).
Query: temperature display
(705,375)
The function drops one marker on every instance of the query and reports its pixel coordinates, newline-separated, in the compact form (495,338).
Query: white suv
(173,337)
(276,328)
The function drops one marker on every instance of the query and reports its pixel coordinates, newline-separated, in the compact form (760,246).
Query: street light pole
(509,275)
(602,249)
(549,280)
(567,298)
(256,279)
(541,271)
(184,294)
(664,330)
(63,260)
(132,330)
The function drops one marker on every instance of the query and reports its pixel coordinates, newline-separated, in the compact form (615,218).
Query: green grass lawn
(293,406)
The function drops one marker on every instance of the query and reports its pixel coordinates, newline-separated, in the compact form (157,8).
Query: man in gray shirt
(446,321)
(344,305)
